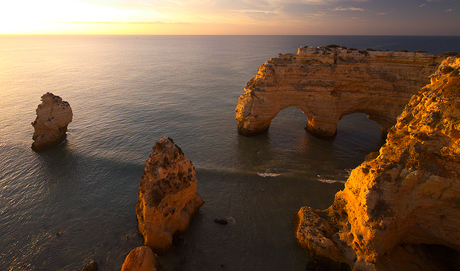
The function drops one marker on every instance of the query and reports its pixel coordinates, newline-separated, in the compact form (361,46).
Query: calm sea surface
(62,208)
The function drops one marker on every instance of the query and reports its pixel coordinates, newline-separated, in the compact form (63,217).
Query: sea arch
(329,83)
(322,112)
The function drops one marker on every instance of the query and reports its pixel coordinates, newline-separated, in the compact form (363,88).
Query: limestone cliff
(328,83)
(53,116)
(402,205)
(167,198)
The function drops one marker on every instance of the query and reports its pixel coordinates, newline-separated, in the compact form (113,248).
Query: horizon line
(405,35)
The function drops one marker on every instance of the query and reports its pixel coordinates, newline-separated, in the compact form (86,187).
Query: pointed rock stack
(167,198)
(53,116)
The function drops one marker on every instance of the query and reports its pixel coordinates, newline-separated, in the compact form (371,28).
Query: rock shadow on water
(58,160)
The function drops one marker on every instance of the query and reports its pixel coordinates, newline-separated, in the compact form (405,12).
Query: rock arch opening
(356,137)
(358,124)
(327,85)
(287,132)
(289,120)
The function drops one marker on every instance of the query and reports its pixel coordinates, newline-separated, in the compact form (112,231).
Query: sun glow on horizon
(73,17)
(223,17)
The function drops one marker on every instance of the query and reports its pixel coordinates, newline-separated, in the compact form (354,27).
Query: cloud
(448,10)
(261,15)
(356,19)
(317,15)
(347,9)
(421,6)
(382,13)
(316,2)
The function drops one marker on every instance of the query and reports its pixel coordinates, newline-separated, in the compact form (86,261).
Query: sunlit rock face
(53,116)
(328,83)
(141,259)
(400,209)
(167,198)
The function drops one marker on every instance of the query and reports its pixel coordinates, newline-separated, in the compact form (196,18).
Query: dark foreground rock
(141,259)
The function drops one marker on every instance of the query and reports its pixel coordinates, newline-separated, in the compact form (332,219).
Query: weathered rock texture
(402,205)
(167,198)
(141,259)
(53,116)
(329,83)
(92,266)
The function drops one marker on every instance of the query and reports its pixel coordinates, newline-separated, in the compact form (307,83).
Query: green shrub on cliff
(366,53)
(450,53)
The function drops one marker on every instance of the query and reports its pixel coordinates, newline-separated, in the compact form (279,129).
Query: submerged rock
(401,206)
(141,259)
(221,221)
(53,116)
(167,198)
(92,266)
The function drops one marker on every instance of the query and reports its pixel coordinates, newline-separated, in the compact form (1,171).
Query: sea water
(63,207)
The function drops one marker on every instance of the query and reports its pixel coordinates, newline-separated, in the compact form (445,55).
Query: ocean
(63,207)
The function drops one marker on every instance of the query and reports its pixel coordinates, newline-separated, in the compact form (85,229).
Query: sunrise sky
(230,17)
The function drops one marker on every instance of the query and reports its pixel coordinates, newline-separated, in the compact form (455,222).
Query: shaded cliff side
(400,209)
(327,83)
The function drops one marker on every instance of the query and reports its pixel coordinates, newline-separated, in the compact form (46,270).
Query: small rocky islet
(50,125)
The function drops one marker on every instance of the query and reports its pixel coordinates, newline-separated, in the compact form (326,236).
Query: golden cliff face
(329,83)
(167,198)
(405,195)
(50,126)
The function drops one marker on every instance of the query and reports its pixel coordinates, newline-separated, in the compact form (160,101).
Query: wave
(327,181)
(268,174)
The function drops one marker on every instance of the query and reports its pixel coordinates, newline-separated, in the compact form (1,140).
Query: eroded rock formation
(329,83)
(53,116)
(400,209)
(167,198)
(141,259)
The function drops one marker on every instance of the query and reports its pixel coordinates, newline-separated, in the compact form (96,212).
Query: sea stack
(400,209)
(53,116)
(167,198)
(329,82)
